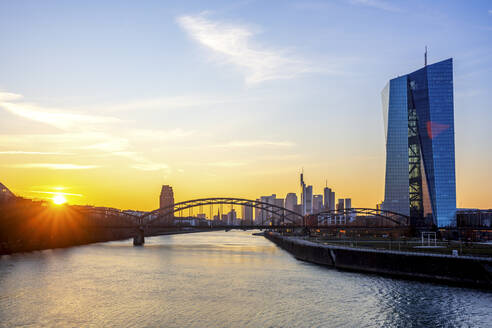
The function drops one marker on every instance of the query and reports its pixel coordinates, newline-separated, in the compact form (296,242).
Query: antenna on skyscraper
(425,56)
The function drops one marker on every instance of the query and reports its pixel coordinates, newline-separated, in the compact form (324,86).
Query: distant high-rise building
(326,198)
(418,116)
(332,201)
(263,216)
(232,217)
(166,198)
(348,203)
(247,214)
(340,205)
(317,203)
(258,214)
(309,200)
(291,201)
(303,194)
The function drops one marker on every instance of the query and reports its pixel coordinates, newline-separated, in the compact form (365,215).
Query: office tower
(348,203)
(340,205)
(303,194)
(247,214)
(166,198)
(308,198)
(326,194)
(291,201)
(231,217)
(332,201)
(258,214)
(419,128)
(317,203)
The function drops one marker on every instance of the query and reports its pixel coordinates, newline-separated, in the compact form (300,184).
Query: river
(217,279)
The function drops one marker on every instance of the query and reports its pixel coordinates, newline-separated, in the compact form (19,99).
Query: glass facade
(420,160)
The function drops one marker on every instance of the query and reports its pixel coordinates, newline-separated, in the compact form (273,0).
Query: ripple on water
(217,279)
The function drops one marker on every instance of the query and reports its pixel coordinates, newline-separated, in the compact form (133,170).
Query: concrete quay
(457,270)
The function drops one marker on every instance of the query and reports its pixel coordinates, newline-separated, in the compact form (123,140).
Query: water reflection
(216,279)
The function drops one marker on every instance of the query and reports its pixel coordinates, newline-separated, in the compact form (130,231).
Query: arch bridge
(282,215)
(278,217)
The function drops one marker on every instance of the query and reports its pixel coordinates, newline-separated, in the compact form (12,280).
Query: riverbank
(460,270)
(87,236)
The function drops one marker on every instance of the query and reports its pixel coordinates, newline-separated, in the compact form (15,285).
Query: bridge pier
(139,238)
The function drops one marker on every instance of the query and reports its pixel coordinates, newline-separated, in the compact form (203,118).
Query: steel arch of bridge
(400,219)
(111,212)
(281,212)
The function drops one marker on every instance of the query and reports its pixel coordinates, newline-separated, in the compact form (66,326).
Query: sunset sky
(105,101)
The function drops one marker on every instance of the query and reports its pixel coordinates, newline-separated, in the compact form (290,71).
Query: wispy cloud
(54,166)
(378,4)
(490,11)
(55,193)
(21,152)
(57,118)
(92,135)
(233,43)
(254,143)
(9,96)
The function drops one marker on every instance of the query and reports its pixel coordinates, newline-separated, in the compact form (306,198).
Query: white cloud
(61,119)
(21,152)
(490,11)
(9,96)
(54,166)
(234,45)
(254,143)
(378,4)
(55,193)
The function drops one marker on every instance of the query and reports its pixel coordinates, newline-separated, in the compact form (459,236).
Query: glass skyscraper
(420,162)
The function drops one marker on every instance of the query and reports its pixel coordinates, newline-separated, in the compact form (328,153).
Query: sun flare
(59,199)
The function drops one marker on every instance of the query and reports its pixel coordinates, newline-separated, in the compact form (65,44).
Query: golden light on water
(59,199)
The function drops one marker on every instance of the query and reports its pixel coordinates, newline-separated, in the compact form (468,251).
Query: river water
(217,279)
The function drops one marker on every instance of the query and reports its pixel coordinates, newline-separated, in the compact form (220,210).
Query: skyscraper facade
(308,200)
(247,214)
(326,194)
(317,203)
(166,199)
(291,201)
(419,128)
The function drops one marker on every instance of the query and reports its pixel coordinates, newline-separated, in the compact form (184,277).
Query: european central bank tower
(419,127)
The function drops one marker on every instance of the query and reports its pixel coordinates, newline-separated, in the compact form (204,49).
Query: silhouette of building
(291,201)
(340,205)
(5,194)
(308,198)
(166,199)
(232,217)
(326,198)
(247,214)
(317,203)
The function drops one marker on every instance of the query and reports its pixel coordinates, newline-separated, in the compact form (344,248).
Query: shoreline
(469,271)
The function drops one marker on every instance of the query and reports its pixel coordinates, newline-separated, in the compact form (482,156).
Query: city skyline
(100,112)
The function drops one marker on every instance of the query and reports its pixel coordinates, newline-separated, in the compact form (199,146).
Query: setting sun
(59,199)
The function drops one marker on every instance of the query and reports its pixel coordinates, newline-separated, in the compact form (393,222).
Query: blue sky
(224,97)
